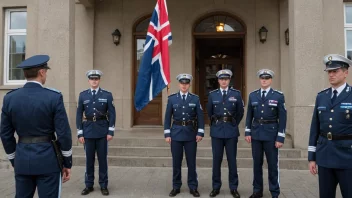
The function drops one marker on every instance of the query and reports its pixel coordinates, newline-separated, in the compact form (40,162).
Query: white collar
(97,90)
(33,81)
(339,89)
(183,93)
(227,89)
(267,90)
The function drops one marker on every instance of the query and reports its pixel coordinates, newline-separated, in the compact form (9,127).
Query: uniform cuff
(11,156)
(280,139)
(80,133)
(167,133)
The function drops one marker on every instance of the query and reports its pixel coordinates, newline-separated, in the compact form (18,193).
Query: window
(348,30)
(219,23)
(15,45)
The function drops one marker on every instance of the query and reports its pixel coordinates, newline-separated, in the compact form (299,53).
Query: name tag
(273,103)
(346,107)
(102,100)
(232,99)
(191,104)
(254,103)
(86,101)
(321,108)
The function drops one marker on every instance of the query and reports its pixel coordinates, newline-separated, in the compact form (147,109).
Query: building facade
(207,35)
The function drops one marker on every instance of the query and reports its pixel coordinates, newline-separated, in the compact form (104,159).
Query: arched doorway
(152,113)
(218,43)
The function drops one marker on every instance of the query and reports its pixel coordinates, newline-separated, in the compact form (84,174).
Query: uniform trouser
(190,148)
(48,185)
(330,177)
(230,145)
(101,147)
(272,157)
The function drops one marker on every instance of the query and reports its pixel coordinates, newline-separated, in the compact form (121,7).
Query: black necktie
(263,95)
(223,95)
(94,94)
(334,96)
(184,97)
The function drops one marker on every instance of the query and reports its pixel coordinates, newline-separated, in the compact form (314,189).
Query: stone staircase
(145,147)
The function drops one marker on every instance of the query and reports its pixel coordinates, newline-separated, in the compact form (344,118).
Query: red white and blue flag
(154,71)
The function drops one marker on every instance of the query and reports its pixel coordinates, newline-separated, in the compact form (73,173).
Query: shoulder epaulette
(52,89)
(235,89)
(214,90)
(254,91)
(172,94)
(105,90)
(12,90)
(193,95)
(277,91)
(323,90)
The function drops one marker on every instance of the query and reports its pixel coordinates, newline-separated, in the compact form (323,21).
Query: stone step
(202,162)
(160,142)
(166,152)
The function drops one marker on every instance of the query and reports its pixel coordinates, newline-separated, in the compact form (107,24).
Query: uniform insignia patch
(232,99)
(273,102)
(86,101)
(112,102)
(103,100)
(192,104)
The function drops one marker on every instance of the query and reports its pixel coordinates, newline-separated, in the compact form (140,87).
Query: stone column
(56,34)
(305,60)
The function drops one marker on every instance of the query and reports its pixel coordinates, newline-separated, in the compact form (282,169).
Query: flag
(154,70)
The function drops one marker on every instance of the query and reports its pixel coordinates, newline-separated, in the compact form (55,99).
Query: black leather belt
(225,119)
(265,121)
(331,136)
(94,118)
(34,139)
(183,123)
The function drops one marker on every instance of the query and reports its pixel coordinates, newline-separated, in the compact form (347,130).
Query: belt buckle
(329,136)
(183,123)
(94,119)
(225,119)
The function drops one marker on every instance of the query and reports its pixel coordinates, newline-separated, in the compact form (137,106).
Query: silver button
(332,111)
(262,105)
(330,119)
(94,108)
(262,111)
(183,113)
(184,118)
(330,126)
(347,111)
(94,113)
(224,113)
(183,107)
(261,118)
(93,102)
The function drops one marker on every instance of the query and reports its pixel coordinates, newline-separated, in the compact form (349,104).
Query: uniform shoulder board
(105,90)
(12,90)
(254,91)
(193,95)
(172,94)
(280,92)
(84,91)
(324,90)
(234,89)
(214,90)
(52,89)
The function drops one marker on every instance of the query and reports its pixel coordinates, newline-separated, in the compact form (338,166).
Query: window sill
(10,87)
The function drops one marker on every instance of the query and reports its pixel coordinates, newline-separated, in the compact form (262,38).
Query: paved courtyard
(156,182)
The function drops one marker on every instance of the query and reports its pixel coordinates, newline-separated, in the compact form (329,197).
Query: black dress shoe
(104,191)
(87,190)
(214,193)
(174,192)
(256,195)
(235,194)
(194,192)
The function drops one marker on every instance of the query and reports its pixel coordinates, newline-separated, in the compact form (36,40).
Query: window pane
(18,20)
(349,55)
(17,53)
(219,23)
(143,25)
(349,39)
(140,51)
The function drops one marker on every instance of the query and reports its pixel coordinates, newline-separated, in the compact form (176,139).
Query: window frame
(7,33)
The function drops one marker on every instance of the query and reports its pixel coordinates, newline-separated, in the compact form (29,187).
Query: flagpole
(168,88)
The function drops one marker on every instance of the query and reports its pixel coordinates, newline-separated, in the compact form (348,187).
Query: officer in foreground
(36,114)
(330,139)
(95,129)
(265,130)
(225,111)
(183,129)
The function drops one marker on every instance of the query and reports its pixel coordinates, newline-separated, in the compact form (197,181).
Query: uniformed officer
(330,139)
(36,113)
(95,128)
(183,128)
(265,129)
(225,110)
